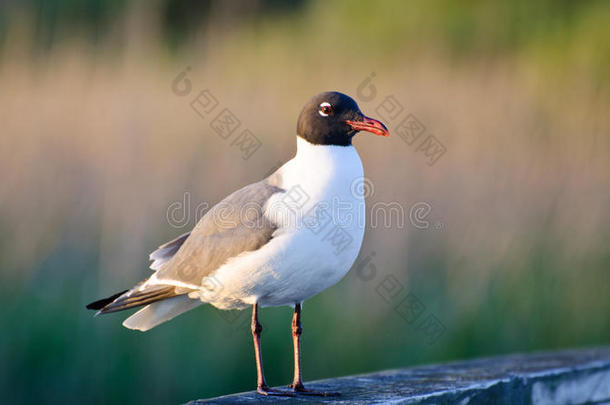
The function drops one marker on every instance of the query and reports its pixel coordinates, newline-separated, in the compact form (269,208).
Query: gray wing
(233,226)
(166,251)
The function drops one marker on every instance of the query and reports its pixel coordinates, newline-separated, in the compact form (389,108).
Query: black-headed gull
(276,242)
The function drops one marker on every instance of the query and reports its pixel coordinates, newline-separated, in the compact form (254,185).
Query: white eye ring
(324,104)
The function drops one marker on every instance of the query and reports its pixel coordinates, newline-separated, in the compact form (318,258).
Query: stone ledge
(579,376)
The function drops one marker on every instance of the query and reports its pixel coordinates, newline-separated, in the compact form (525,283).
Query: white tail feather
(159,312)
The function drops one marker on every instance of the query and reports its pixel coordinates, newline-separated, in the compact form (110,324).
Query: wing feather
(166,251)
(235,225)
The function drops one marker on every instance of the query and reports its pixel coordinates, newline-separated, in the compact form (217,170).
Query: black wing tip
(99,304)
(121,302)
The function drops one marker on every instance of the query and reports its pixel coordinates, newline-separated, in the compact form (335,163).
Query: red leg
(261,384)
(297,382)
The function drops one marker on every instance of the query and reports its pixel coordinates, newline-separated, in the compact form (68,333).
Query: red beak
(369,125)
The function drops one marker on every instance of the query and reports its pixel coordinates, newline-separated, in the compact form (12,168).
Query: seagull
(276,242)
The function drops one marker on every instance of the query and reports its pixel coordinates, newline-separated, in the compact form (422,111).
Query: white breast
(321,221)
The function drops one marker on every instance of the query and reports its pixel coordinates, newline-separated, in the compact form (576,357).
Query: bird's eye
(325,109)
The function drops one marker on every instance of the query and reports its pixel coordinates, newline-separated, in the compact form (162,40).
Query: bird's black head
(332,118)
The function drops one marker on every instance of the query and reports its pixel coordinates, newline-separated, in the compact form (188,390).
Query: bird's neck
(323,164)
(323,155)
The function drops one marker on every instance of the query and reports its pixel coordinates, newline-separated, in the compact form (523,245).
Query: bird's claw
(301,390)
(268,391)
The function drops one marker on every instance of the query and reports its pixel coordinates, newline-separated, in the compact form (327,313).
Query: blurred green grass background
(96,147)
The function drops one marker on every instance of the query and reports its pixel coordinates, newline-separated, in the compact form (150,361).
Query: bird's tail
(99,304)
(162,303)
(159,312)
(135,297)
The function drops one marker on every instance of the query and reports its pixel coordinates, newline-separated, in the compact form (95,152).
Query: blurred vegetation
(96,148)
(553,35)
